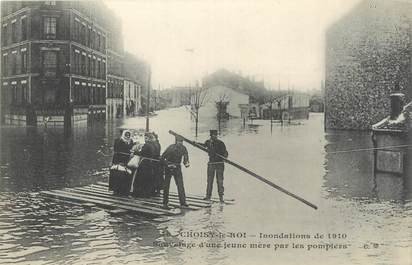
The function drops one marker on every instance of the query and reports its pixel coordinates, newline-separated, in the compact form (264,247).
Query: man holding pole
(216,165)
(242,168)
(173,157)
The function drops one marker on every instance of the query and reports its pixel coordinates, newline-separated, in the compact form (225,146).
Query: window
(50,3)
(103,43)
(89,37)
(24,28)
(78,68)
(14,32)
(18,63)
(50,63)
(76,32)
(4,39)
(50,27)
(92,40)
(13,63)
(23,62)
(13,94)
(83,64)
(98,69)
(24,93)
(89,62)
(76,62)
(98,41)
(103,70)
(93,68)
(83,34)
(5,66)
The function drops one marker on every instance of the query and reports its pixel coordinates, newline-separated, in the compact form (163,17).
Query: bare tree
(221,105)
(198,98)
(275,99)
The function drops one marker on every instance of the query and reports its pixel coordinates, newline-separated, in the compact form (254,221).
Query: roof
(401,124)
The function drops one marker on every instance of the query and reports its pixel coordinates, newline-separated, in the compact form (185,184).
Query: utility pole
(148,100)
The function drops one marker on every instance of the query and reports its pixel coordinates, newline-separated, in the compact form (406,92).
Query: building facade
(368,57)
(62,62)
(53,57)
(115,75)
(137,75)
(215,95)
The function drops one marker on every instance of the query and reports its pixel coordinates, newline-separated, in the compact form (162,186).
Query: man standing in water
(173,157)
(216,165)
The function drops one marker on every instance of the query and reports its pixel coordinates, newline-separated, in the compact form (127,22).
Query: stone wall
(368,56)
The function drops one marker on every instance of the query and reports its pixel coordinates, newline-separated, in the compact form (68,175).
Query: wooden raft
(99,195)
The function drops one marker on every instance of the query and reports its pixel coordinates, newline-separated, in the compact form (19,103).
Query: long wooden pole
(270,183)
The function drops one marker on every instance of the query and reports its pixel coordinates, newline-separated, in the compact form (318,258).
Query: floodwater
(363,217)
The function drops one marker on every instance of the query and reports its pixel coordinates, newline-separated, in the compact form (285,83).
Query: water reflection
(42,158)
(352,175)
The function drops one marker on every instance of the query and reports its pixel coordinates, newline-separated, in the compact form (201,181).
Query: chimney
(397,101)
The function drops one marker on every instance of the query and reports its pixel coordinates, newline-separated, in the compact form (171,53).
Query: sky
(278,41)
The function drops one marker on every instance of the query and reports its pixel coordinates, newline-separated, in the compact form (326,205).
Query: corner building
(54,61)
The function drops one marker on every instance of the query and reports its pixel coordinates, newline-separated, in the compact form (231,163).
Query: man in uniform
(216,164)
(172,158)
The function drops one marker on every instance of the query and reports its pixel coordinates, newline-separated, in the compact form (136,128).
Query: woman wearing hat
(120,176)
(144,182)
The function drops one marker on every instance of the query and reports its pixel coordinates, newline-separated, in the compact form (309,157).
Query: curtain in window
(49,63)
(50,27)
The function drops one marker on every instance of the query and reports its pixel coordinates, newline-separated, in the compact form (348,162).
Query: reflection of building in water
(40,158)
(351,174)
(368,52)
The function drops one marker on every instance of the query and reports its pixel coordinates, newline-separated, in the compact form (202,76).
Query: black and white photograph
(232,132)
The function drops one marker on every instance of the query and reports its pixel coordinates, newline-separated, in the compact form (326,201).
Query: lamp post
(148,100)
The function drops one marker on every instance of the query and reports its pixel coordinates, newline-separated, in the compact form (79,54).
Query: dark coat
(121,152)
(144,183)
(215,147)
(120,181)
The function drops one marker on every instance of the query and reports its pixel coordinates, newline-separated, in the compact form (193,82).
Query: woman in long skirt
(120,179)
(144,182)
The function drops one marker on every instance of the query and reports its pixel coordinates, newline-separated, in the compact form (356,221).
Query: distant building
(294,105)
(175,96)
(221,94)
(255,90)
(368,56)
(136,81)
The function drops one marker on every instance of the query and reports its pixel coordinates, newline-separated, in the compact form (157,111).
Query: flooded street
(363,217)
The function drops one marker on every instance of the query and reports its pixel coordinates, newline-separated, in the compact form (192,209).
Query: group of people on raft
(141,170)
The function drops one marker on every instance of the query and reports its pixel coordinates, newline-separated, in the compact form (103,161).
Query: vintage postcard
(206,132)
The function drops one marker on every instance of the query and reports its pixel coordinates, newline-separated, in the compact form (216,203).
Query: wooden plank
(174,199)
(172,196)
(155,203)
(69,196)
(92,195)
(124,200)
(108,194)
(188,195)
(118,211)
